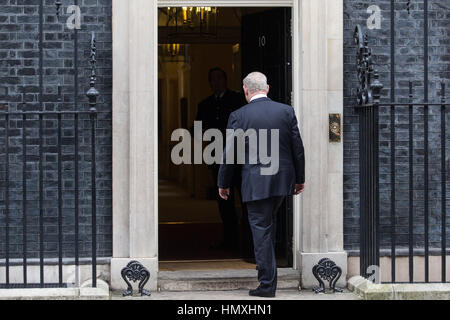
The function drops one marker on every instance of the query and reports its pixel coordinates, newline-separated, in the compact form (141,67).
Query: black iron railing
(369,97)
(405,176)
(34,126)
(56,148)
(418,194)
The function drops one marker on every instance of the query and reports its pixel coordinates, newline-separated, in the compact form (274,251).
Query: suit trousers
(262,216)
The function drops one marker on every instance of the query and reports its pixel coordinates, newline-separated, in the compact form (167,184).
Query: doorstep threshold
(222,274)
(222,280)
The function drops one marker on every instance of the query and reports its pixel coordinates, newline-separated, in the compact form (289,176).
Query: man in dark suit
(214,112)
(263,187)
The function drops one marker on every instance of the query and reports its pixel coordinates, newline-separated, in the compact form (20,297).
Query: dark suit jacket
(266,114)
(214,113)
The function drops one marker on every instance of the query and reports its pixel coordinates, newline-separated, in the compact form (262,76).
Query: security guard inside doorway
(214,112)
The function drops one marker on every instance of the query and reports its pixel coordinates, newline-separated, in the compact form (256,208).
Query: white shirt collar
(258,96)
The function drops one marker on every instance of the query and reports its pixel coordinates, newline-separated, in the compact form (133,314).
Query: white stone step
(222,280)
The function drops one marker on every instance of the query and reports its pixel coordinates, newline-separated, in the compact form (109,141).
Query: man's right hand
(299,188)
(224,193)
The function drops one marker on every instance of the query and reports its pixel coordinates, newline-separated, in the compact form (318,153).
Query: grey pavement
(240,295)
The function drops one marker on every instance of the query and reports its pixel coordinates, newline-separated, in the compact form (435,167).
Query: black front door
(266,47)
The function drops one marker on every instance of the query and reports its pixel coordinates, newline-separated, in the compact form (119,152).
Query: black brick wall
(19,83)
(409,38)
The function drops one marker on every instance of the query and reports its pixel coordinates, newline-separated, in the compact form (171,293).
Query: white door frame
(295,73)
(317,91)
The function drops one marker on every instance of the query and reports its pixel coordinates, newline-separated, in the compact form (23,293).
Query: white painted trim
(310,75)
(155,138)
(296,101)
(227,3)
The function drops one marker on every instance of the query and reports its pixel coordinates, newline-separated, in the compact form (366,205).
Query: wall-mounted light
(173,52)
(173,49)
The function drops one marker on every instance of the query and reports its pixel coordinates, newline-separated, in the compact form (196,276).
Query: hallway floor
(189,228)
(200,265)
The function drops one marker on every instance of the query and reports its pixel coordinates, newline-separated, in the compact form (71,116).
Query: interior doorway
(192,42)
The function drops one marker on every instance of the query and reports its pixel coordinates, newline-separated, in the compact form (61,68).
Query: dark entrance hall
(238,41)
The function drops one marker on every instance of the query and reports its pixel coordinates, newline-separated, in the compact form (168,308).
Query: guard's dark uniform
(214,113)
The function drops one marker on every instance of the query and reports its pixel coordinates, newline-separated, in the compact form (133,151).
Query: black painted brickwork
(19,84)
(19,60)
(409,38)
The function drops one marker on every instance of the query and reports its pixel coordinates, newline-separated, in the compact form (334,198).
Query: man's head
(255,83)
(217,80)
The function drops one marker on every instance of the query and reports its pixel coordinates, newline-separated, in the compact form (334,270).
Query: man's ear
(268,88)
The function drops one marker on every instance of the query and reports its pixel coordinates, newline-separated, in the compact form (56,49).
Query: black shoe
(259,293)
